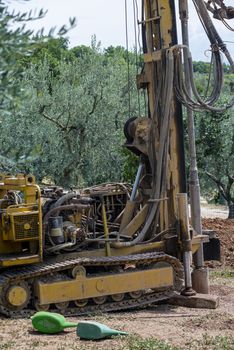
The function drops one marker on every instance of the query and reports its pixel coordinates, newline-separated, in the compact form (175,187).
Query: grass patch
(212,343)
(36,343)
(8,345)
(222,274)
(205,343)
(137,343)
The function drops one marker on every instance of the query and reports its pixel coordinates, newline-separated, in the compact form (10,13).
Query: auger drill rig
(108,248)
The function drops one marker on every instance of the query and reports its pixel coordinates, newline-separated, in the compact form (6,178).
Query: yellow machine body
(21,224)
(107,277)
(89,244)
(84,287)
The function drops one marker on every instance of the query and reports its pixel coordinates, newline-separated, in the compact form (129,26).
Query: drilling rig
(109,247)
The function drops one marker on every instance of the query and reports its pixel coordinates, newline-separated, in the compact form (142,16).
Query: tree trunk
(231,211)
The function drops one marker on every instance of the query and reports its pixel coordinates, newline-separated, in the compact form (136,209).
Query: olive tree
(69,127)
(215,148)
(17,44)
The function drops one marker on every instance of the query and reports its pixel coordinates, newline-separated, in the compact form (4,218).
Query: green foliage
(52,50)
(130,166)
(215,149)
(69,125)
(215,145)
(7,345)
(137,343)
(18,47)
(204,67)
(201,67)
(63,111)
(222,273)
(15,43)
(129,56)
(212,343)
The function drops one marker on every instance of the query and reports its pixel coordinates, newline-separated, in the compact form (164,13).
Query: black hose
(65,198)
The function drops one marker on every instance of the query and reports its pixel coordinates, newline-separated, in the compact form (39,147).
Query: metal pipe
(41,243)
(182,213)
(56,248)
(136,182)
(106,232)
(130,205)
(187,274)
(194,186)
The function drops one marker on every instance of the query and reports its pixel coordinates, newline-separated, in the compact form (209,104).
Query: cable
(182,77)
(220,13)
(211,31)
(136,54)
(181,89)
(209,76)
(128,64)
(138,28)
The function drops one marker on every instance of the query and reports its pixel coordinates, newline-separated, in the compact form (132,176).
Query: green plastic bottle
(50,322)
(94,330)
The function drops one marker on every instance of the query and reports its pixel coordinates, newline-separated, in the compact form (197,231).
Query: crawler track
(30,274)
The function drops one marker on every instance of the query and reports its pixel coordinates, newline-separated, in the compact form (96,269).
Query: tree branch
(59,125)
(219,184)
(95,102)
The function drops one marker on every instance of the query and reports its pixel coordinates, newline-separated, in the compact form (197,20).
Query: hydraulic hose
(159,188)
(181,86)
(65,198)
(181,79)
(212,33)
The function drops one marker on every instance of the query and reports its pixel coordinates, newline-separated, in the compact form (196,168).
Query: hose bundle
(181,79)
(184,79)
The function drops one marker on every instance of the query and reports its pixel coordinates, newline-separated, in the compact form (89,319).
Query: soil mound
(225,232)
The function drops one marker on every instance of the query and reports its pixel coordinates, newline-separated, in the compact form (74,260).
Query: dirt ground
(225,233)
(178,326)
(214,211)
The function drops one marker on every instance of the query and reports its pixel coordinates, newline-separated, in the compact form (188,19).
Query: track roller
(78,271)
(117,297)
(100,300)
(81,302)
(135,295)
(39,307)
(62,306)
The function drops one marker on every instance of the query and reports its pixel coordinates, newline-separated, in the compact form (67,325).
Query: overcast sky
(106,19)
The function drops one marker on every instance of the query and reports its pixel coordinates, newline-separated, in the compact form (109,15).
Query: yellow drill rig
(108,247)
